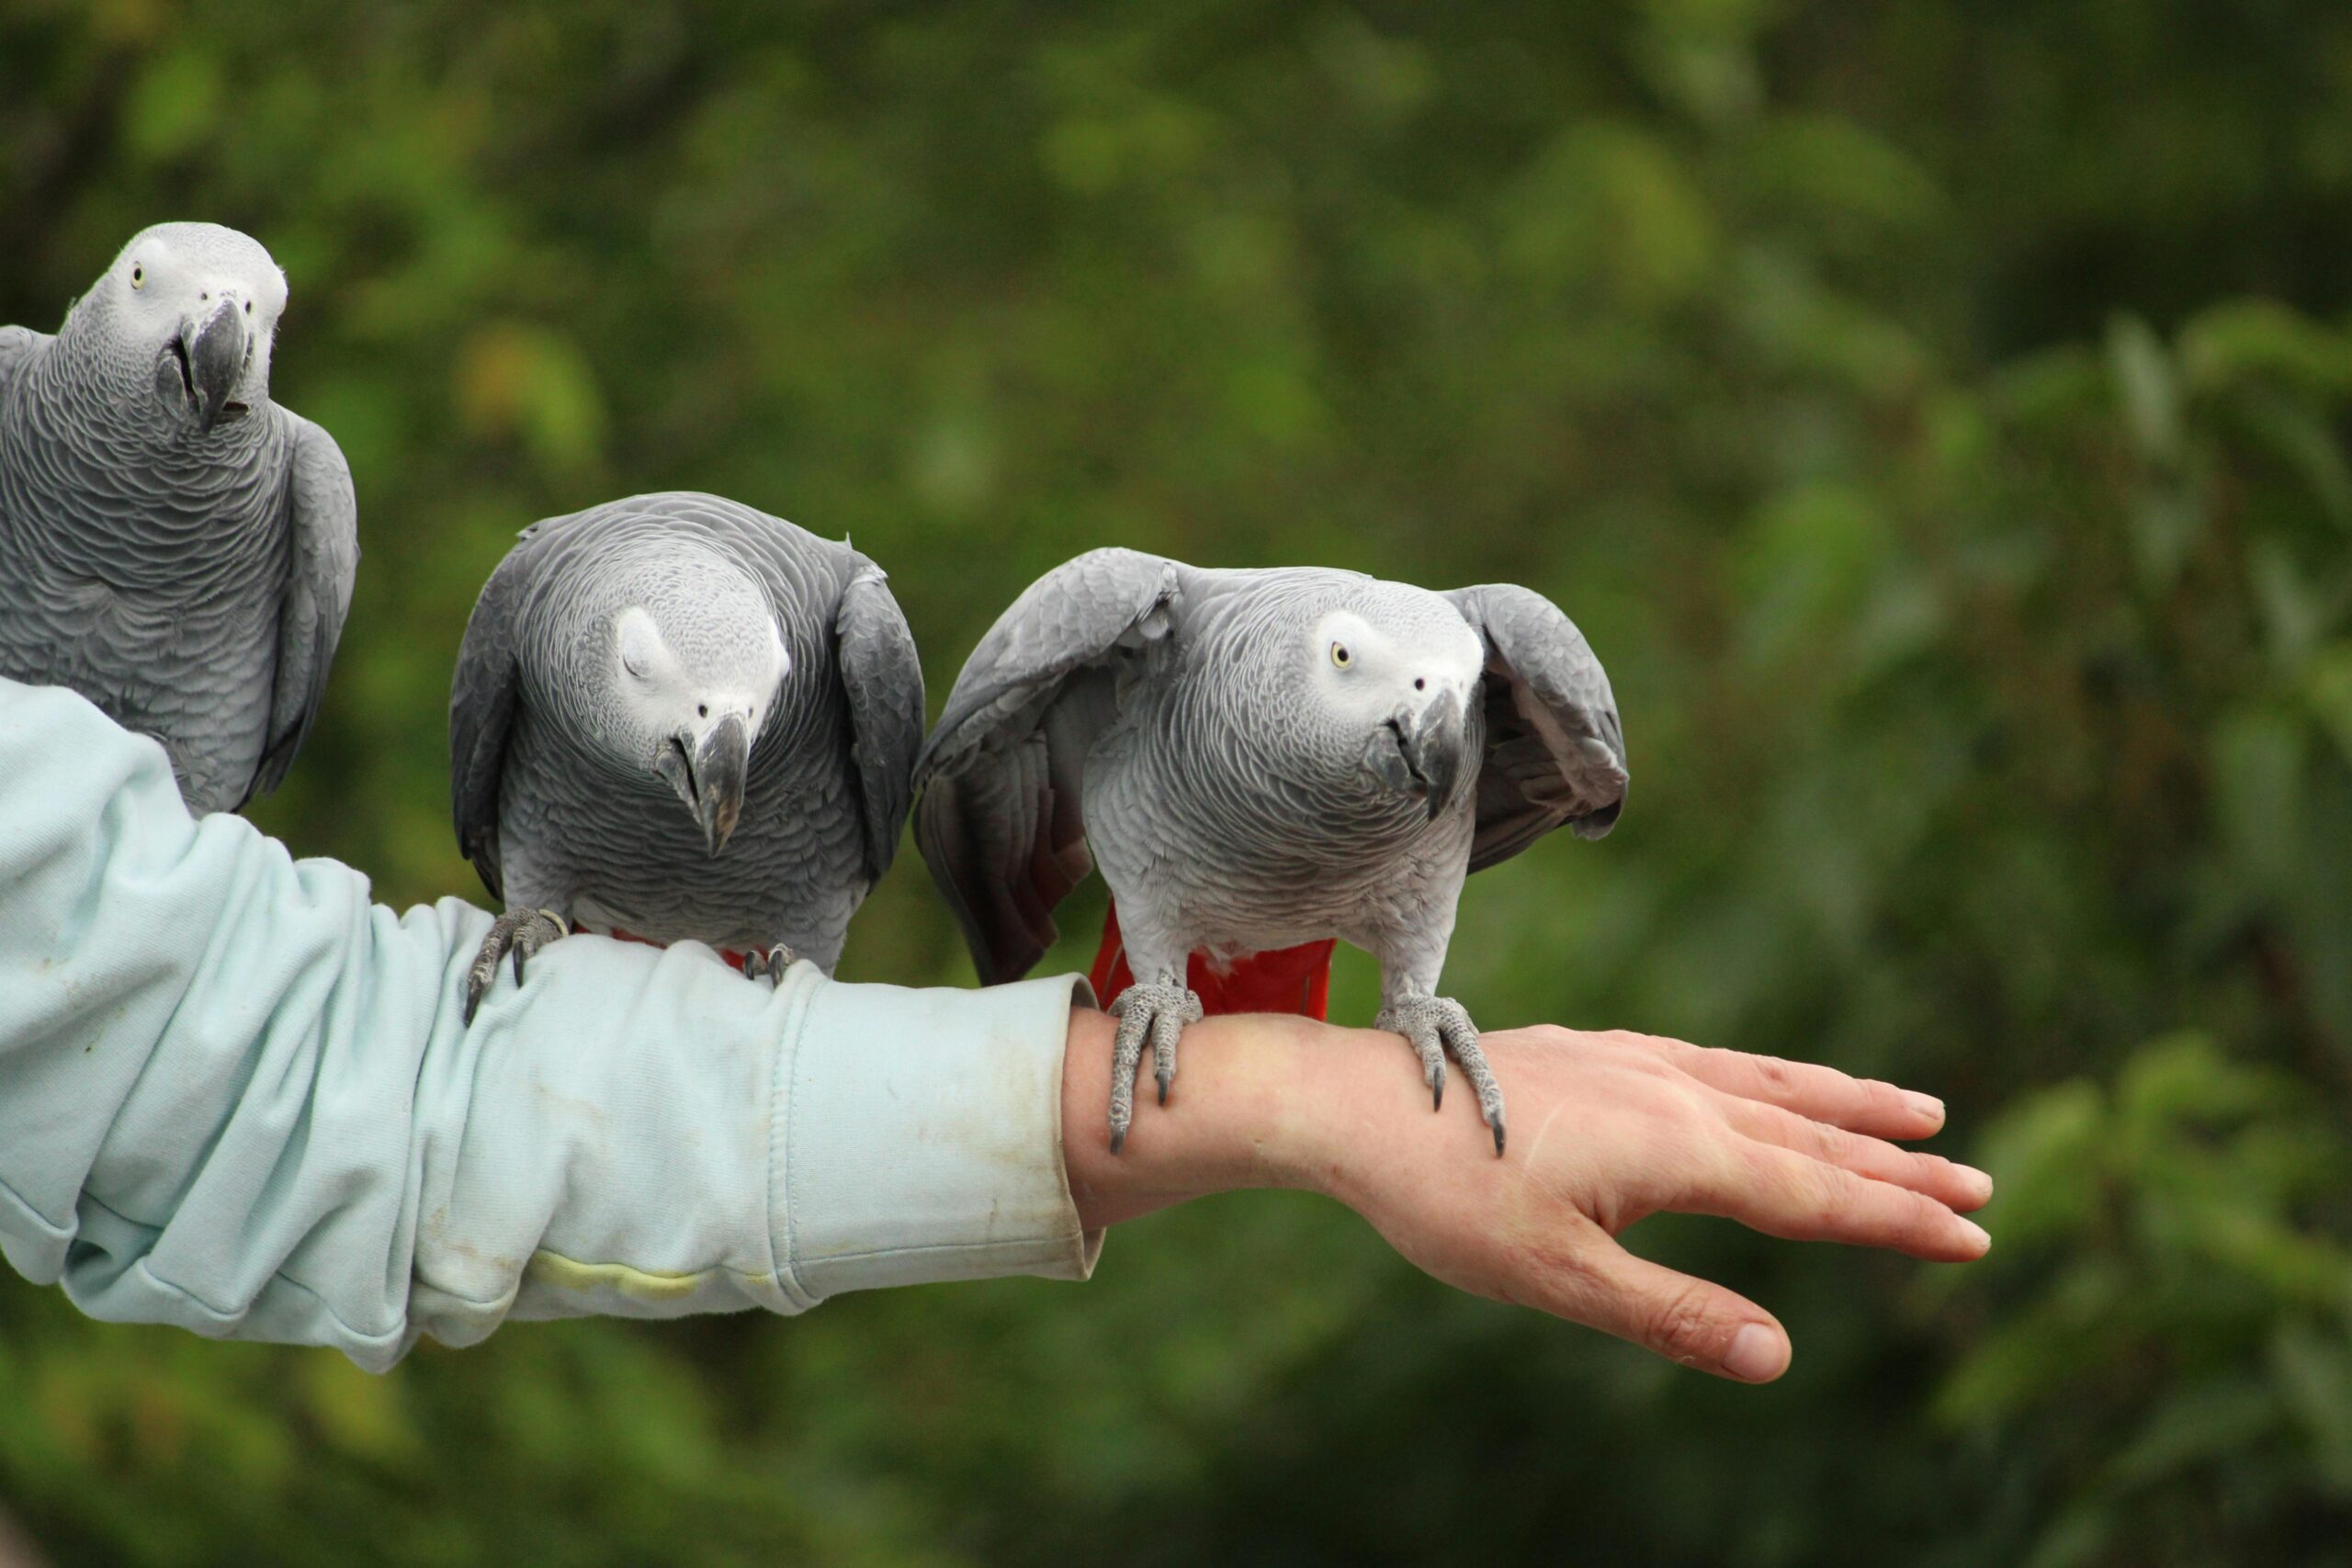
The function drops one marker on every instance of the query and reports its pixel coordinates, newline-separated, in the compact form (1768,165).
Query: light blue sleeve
(236,1095)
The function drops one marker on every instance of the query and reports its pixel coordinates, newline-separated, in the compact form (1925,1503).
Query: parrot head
(696,663)
(1396,672)
(193,309)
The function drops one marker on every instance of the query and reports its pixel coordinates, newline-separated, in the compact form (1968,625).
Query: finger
(1691,1322)
(1959,1187)
(1825,1094)
(1789,1195)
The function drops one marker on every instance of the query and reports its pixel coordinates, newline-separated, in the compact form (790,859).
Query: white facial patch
(664,698)
(642,648)
(175,276)
(217,265)
(1368,669)
(779,658)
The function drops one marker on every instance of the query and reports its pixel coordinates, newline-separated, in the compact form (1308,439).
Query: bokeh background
(1935,414)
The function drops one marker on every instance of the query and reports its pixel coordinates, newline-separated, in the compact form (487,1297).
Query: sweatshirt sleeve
(237,1096)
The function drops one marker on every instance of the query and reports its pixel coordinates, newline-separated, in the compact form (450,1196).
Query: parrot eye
(139,277)
(1340,656)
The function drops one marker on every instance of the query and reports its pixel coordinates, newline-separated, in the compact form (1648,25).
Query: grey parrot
(174,545)
(1258,758)
(677,718)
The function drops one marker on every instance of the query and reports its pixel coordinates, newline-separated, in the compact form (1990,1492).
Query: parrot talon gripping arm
(520,931)
(1434,1026)
(771,963)
(1160,1011)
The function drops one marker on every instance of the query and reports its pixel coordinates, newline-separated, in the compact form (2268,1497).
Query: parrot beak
(708,772)
(212,357)
(1425,757)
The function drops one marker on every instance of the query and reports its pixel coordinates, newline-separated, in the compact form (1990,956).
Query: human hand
(1617,1126)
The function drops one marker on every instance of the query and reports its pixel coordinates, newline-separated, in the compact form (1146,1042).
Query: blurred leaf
(359,1414)
(1611,202)
(1827,165)
(2314,1376)
(2143,380)
(2194,1423)
(2235,339)
(516,379)
(174,104)
(2308,448)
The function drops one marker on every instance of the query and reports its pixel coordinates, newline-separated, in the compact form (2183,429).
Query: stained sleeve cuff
(917,1136)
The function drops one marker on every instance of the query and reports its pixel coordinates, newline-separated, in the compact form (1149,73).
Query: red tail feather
(1288,979)
(734,959)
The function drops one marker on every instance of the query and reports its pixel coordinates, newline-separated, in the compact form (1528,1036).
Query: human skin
(1606,1128)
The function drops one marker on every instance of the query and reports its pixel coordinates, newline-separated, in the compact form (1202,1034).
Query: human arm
(1617,1126)
(238,1096)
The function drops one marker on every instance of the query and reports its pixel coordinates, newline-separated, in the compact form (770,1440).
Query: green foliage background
(1935,416)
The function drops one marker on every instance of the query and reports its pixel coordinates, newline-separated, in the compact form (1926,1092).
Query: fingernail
(1983,1238)
(1979,1182)
(1926,1105)
(1756,1354)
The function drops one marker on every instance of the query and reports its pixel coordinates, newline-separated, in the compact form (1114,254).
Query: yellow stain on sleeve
(553,1268)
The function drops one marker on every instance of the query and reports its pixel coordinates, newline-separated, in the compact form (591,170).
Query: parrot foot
(1435,1027)
(1159,1012)
(771,963)
(520,931)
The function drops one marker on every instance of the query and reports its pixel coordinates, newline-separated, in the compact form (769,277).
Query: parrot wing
(883,678)
(322,526)
(483,696)
(1556,749)
(1000,822)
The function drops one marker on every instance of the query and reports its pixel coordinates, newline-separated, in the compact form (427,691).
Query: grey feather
(483,695)
(174,545)
(1000,825)
(1122,709)
(18,346)
(323,518)
(882,677)
(556,814)
(1258,760)
(1083,612)
(1555,748)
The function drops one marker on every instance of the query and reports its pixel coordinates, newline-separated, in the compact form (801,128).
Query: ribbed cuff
(920,1138)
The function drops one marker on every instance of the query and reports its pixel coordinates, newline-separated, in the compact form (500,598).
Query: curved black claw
(1436,1027)
(1160,1013)
(770,965)
(520,931)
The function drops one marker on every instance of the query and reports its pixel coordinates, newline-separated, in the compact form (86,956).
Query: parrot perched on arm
(174,545)
(1259,759)
(674,718)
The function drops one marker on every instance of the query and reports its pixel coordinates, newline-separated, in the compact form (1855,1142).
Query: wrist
(1238,1115)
